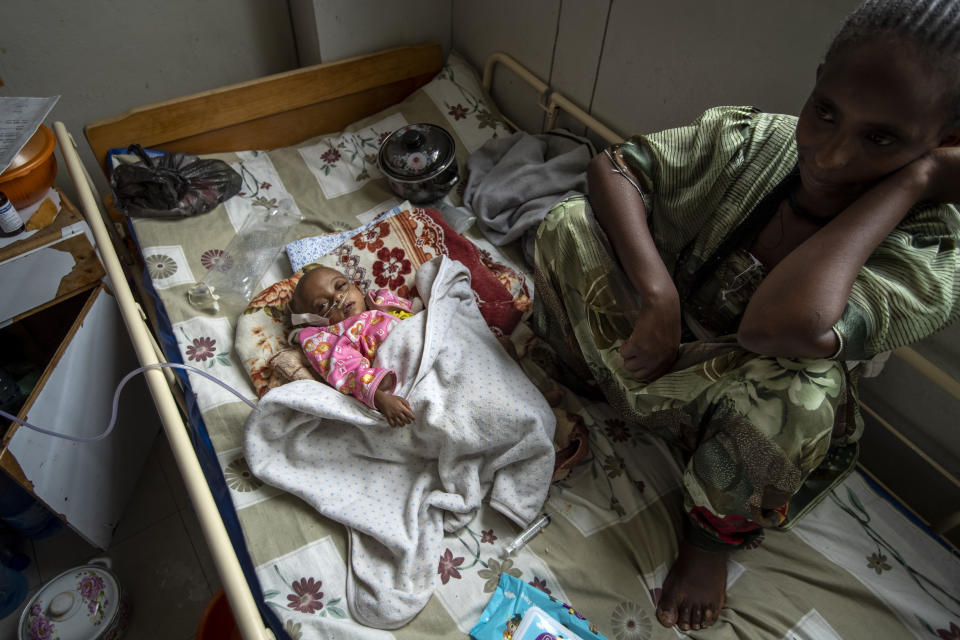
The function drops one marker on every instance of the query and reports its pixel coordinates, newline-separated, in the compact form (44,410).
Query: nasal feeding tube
(318,320)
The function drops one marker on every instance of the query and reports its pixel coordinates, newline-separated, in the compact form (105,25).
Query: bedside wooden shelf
(51,265)
(59,315)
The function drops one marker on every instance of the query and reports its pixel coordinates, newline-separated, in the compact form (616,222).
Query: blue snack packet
(508,604)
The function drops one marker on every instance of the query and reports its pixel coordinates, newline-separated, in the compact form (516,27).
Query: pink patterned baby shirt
(342,352)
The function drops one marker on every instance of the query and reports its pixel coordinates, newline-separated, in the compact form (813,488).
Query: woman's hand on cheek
(652,348)
(940,172)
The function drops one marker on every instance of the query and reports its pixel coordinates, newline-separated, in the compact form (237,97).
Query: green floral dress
(763,438)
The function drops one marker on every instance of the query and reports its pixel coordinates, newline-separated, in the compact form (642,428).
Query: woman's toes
(708,617)
(683,620)
(666,614)
(695,617)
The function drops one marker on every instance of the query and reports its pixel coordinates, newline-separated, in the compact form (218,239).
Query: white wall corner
(524,30)
(303,15)
(346,28)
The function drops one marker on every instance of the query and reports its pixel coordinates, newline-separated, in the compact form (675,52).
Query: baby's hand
(394,408)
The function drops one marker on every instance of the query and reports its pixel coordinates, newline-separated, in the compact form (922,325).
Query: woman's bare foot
(695,589)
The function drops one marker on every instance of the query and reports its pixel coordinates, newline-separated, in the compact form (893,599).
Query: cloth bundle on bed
(480,424)
(514,181)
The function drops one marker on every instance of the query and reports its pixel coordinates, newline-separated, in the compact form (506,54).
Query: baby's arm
(384,300)
(345,368)
(342,365)
(395,409)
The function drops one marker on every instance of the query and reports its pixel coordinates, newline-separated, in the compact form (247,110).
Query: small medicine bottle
(10,222)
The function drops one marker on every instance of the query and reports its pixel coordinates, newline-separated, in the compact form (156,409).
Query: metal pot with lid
(83,603)
(419,162)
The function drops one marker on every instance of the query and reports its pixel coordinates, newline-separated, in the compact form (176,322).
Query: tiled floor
(158,554)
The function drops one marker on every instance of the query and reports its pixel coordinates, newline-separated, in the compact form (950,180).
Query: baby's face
(328,293)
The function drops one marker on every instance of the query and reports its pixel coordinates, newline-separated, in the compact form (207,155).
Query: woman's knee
(802,385)
(565,222)
(776,413)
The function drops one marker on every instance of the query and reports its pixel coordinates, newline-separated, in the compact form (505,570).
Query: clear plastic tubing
(116,401)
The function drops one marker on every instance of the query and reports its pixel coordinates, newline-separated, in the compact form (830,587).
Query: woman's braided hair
(932,27)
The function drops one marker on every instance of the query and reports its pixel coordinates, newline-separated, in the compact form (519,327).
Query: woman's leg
(753,427)
(767,425)
(582,301)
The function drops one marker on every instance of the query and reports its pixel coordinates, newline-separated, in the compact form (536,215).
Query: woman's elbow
(789,342)
(759,339)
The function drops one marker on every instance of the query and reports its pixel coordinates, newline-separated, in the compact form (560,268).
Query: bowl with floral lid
(419,162)
(83,603)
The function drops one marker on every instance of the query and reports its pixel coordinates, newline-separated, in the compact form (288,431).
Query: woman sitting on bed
(725,277)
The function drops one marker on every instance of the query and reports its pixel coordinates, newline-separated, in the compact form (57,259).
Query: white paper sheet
(19,120)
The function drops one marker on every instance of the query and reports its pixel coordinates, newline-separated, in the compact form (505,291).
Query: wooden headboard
(272,111)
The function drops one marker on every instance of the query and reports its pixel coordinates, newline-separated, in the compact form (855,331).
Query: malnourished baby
(343,330)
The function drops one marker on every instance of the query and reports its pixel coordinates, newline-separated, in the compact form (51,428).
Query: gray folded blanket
(513,182)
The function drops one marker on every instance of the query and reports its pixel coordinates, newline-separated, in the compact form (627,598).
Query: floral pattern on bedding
(343,163)
(464,105)
(630,621)
(262,188)
(882,553)
(167,266)
(245,488)
(206,343)
(307,590)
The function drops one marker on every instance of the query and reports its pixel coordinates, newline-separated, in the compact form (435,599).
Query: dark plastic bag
(174,185)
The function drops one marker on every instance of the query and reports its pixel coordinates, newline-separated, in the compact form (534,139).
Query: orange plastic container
(32,171)
(217,622)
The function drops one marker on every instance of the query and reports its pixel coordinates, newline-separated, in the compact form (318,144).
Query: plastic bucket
(217,622)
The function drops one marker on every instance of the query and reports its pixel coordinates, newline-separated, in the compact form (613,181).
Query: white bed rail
(550,101)
(950,386)
(238,593)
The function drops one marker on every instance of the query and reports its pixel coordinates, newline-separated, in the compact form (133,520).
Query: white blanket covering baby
(481,426)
